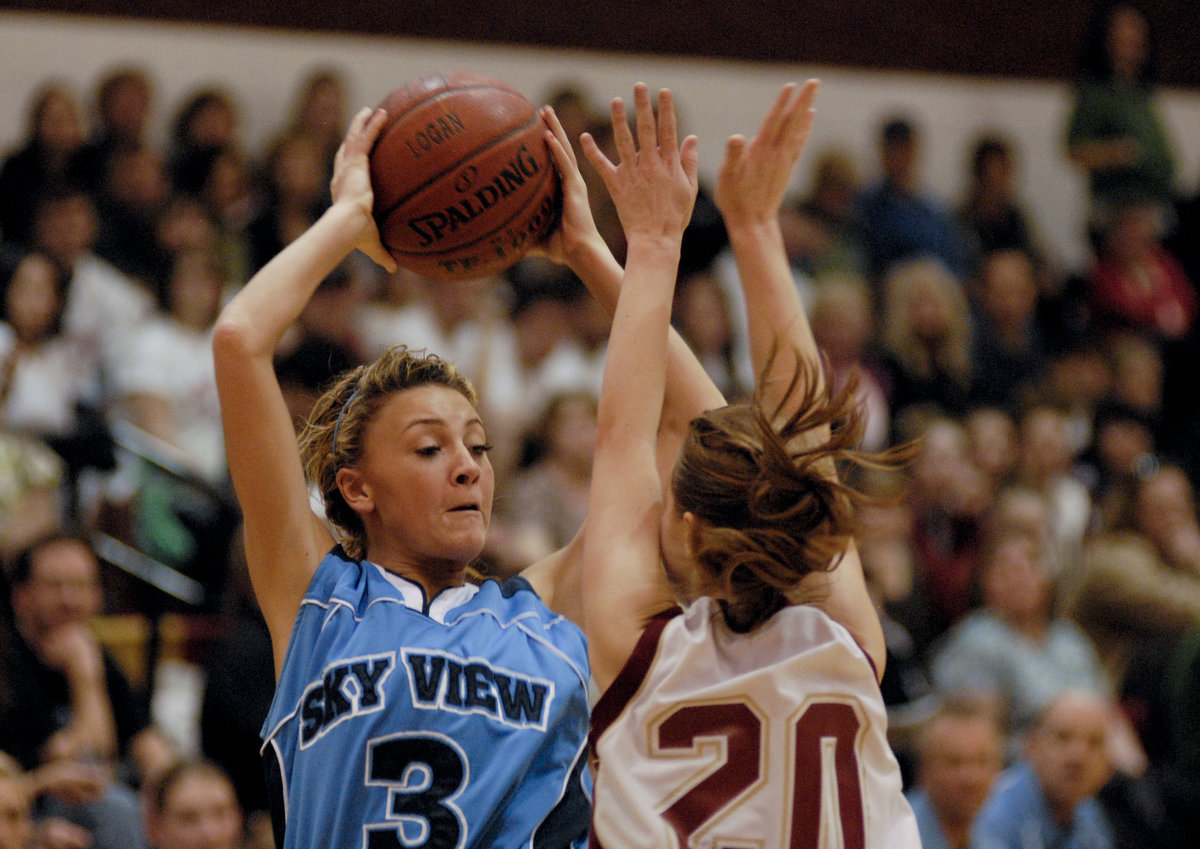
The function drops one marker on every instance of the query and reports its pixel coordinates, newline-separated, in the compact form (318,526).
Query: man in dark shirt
(67,713)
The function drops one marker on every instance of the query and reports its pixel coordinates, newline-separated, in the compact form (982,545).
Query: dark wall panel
(1014,38)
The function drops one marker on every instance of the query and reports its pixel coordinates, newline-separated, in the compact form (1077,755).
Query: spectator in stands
(50,385)
(703,316)
(16,817)
(295,193)
(544,505)
(992,445)
(102,304)
(1046,461)
(1135,284)
(925,338)
(1015,651)
(947,498)
(131,196)
(843,323)
(549,358)
(820,232)
(899,220)
(53,137)
(1077,381)
(18,827)
(1048,799)
(1164,512)
(1123,451)
(1008,351)
(67,713)
(239,671)
(1114,132)
(319,110)
(123,103)
(222,179)
(992,217)
(1133,606)
(193,806)
(959,755)
(207,120)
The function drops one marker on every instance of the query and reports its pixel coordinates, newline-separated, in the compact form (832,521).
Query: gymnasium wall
(717,96)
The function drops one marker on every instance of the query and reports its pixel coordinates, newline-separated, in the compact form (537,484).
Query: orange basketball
(464,181)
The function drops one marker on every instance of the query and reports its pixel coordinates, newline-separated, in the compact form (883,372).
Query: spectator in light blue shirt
(959,755)
(1048,799)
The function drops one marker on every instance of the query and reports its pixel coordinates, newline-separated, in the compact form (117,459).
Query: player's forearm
(267,306)
(635,370)
(777,323)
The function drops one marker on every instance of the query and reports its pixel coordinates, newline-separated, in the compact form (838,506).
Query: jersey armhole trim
(629,679)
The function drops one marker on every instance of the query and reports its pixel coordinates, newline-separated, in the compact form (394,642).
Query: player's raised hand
(654,183)
(576,225)
(351,183)
(755,174)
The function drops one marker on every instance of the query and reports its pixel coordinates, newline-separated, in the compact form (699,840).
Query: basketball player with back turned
(751,717)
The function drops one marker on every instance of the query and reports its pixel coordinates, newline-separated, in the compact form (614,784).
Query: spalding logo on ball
(464,181)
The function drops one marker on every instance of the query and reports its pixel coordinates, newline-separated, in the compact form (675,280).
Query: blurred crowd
(1039,559)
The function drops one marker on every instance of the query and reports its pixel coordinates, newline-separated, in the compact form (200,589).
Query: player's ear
(355,490)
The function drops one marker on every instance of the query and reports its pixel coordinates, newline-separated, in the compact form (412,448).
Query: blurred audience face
(1068,750)
(843,321)
(943,476)
(32,302)
(65,228)
(1128,40)
(126,106)
(702,314)
(572,431)
(992,441)
(57,122)
(63,588)
(1014,581)
(1122,445)
(16,824)
(1021,510)
(323,106)
(960,757)
(1008,288)
(1138,374)
(1045,447)
(1165,506)
(196,285)
(200,811)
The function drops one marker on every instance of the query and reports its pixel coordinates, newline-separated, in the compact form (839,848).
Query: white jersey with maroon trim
(775,739)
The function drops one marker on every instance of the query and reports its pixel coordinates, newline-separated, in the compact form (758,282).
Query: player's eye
(481,449)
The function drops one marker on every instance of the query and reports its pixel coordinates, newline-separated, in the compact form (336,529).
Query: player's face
(426,472)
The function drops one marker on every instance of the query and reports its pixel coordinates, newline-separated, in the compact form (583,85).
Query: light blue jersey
(400,723)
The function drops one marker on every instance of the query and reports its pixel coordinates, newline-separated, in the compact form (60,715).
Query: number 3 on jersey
(825,791)
(423,773)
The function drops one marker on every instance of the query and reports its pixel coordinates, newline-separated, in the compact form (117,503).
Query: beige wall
(717,98)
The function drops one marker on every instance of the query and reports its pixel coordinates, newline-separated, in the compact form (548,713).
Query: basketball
(464,181)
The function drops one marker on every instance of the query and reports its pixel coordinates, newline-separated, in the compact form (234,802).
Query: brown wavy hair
(333,435)
(773,506)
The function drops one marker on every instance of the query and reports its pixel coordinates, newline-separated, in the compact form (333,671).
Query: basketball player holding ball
(413,707)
